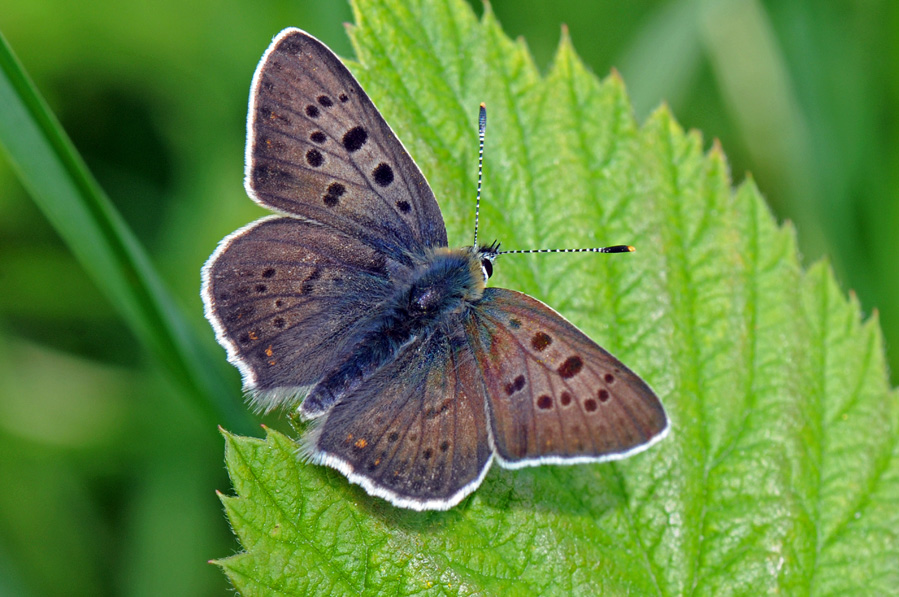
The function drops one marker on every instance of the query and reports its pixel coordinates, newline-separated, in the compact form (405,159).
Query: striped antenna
(613,249)
(482,130)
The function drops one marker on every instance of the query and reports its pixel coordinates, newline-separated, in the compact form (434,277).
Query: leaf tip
(488,12)
(615,75)
(566,47)
(716,150)
(662,121)
(663,111)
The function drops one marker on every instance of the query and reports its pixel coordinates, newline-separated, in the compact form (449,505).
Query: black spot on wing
(383,174)
(540,341)
(571,367)
(355,138)
(314,158)
(334,193)
(515,385)
(314,275)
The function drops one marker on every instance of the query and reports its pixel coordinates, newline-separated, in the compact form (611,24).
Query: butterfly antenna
(612,249)
(482,129)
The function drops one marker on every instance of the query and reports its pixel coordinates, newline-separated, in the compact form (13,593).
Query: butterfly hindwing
(555,396)
(415,433)
(318,148)
(284,296)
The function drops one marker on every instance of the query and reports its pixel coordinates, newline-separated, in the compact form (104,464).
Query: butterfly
(349,303)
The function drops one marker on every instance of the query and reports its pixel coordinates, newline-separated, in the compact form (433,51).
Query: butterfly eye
(487,268)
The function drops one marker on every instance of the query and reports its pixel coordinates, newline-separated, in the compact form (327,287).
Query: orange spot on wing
(360,443)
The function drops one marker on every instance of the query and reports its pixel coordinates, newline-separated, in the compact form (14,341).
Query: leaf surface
(781,472)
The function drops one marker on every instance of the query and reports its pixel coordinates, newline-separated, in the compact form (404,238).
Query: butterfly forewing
(285,296)
(555,396)
(318,148)
(416,432)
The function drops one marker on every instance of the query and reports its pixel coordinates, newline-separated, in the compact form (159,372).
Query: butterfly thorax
(445,281)
(437,291)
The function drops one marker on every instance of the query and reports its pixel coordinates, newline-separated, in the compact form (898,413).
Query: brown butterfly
(351,304)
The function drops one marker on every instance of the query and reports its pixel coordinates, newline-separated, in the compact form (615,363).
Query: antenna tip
(617,249)
(483,106)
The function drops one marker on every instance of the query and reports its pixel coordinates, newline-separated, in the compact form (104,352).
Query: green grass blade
(58,180)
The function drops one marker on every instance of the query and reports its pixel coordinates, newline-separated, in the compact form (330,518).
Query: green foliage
(60,183)
(781,473)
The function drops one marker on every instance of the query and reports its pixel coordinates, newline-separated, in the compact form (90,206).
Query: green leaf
(59,182)
(781,474)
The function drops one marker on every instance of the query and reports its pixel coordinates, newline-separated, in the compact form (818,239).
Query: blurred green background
(108,472)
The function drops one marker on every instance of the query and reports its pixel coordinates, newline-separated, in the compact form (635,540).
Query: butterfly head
(485,256)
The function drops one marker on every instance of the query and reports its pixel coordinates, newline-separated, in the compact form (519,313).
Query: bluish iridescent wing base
(554,395)
(415,433)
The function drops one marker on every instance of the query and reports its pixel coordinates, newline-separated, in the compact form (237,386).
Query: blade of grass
(58,180)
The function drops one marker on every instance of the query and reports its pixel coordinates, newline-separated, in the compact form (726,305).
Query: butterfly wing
(318,148)
(554,395)
(284,295)
(416,432)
